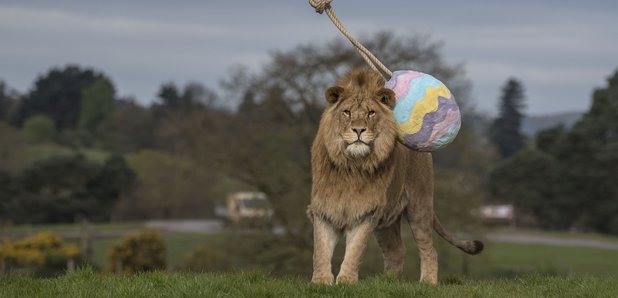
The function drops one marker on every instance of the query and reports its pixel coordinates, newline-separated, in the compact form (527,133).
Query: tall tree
(8,101)
(173,100)
(589,162)
(266,144)
(505,130)
(169,96)
(4,101)
(58,95)
(97,104)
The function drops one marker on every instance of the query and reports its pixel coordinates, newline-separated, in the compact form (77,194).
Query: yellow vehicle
(242,206)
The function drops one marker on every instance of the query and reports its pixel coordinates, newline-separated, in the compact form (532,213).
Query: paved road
(548,240)
(187,226)
(216,226)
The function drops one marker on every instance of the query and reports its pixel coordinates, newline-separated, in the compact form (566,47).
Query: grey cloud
(560,49)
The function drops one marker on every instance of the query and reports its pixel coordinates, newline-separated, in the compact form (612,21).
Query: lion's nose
(358,130)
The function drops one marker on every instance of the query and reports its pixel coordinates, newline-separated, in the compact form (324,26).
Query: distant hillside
(533,124)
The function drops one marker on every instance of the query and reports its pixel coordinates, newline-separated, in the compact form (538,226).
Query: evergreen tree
(505,130)
(4,102)
(169,96)
(589,162)
(8,101)
(247,105)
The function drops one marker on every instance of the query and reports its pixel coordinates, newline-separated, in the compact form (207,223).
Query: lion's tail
(472,247)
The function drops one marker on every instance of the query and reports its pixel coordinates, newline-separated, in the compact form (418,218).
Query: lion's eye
(371,113)
(346,113)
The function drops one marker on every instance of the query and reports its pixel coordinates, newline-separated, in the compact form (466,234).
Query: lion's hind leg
(422,229)
(393,250)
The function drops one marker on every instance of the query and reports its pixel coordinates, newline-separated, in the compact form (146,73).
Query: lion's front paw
(323,279)
(347,279)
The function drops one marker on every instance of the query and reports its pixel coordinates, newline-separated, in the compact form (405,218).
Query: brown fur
(364,181)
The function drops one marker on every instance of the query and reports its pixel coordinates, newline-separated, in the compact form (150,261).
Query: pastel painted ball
(425,110)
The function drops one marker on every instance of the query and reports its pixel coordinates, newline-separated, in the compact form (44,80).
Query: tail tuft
(478,247)
(471,247)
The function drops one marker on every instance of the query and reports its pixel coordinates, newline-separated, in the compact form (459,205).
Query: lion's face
(357,125)
(359,119)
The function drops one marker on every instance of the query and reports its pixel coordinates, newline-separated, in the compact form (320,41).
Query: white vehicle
(498,214)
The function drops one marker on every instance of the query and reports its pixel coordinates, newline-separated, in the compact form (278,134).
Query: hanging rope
(324,6)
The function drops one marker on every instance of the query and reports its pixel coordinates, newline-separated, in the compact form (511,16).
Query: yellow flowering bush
(144,251)
(41,250)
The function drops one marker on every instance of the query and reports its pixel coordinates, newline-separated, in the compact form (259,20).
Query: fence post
(70,265)
(118,267)
(86,240)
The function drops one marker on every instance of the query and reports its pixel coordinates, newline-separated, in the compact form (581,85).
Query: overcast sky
(560,50)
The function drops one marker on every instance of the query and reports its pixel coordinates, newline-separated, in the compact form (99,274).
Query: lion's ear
(333,94)
(386,97)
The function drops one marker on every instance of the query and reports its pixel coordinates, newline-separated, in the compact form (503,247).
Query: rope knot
(320,5)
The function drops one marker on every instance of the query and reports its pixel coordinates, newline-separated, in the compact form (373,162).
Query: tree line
(562,178)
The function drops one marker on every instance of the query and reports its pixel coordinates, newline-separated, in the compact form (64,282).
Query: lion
(364,181)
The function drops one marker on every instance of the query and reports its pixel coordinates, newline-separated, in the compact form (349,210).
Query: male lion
(364,181)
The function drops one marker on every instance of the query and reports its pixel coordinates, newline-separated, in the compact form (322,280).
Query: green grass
(510,259)
(501,259)
(86,283)
(498,259)
(503,270)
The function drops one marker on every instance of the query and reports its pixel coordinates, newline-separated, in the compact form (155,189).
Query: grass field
(503,270)
(86,283)
(498,259)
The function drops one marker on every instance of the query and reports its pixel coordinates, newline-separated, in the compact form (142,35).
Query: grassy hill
(86,283)
(530,125)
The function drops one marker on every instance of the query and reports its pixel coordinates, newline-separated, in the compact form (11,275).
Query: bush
(39,128)
(44,254)
(65,189)
(144,251)
(204,258)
